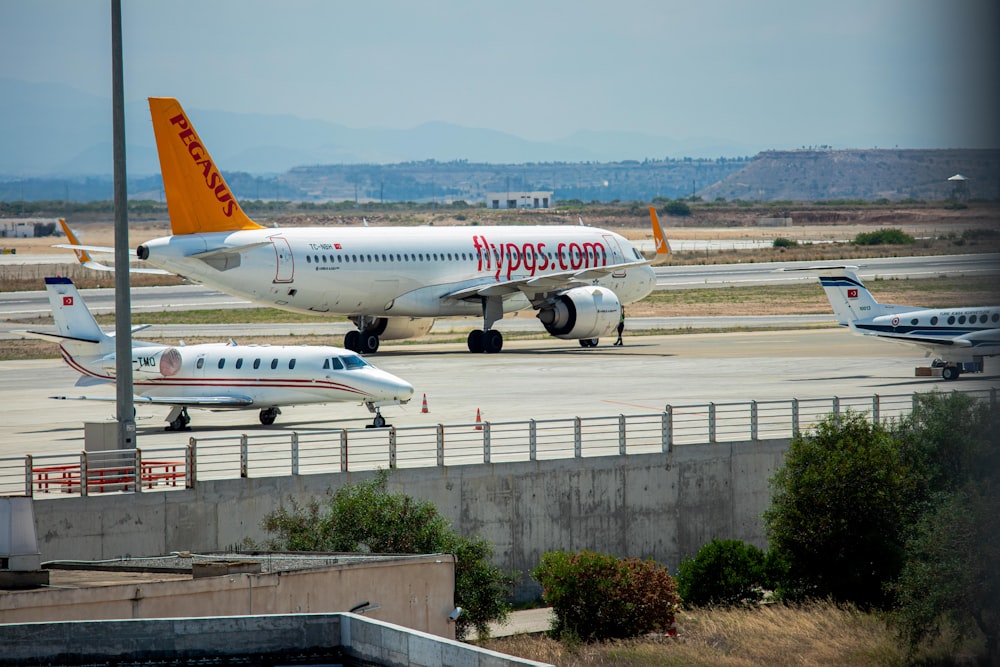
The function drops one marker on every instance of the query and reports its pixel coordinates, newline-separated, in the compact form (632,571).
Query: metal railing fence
(341,450)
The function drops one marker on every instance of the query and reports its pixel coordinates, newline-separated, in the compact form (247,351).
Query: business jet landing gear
(178,419)
(486,339)
(268,415)
(950,373)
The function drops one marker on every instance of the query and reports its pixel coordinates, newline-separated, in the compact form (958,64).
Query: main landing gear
(268,415)
(362,342)
(178,419)
(486,339)
(489,341)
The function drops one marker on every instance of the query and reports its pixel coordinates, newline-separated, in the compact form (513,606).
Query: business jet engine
(157,363)
(582,312)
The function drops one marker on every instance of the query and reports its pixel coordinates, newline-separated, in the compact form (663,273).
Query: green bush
(677,208)
(596,596)
(366,517)
(724,573)
(782,242)
(883,236)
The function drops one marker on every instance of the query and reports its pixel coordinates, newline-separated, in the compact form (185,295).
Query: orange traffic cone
(479,420)
(424,408)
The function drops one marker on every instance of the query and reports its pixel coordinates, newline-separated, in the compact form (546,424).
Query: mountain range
(54,130)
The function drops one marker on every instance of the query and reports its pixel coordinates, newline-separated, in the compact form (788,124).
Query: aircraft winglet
(662,245)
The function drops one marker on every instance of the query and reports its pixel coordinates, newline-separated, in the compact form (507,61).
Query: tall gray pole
(123,301)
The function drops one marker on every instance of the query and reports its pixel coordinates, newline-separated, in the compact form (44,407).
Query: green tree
(366,517)
(597,596)
(839,509)
(950,577)
(724,572)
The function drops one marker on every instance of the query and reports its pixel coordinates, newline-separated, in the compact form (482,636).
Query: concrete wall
(415,592)
(332,636)
(659,506)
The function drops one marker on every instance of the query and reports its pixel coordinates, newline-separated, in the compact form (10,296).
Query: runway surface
(529,379)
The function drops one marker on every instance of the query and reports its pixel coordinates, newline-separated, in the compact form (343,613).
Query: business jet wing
(537,284)
(219,402)
(988,337)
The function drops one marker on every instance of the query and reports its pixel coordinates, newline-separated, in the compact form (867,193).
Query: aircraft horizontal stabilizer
(55,338)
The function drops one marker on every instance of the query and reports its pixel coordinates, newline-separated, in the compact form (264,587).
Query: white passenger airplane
(958,337)
(390,281)
(217,376)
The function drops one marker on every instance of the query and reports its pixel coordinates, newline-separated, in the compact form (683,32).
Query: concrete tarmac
(540,379)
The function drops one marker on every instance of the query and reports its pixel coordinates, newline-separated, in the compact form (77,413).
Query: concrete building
(511,200)
(415,591)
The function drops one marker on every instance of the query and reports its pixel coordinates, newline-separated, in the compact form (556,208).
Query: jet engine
(398,328)
(157,363)
(582,312)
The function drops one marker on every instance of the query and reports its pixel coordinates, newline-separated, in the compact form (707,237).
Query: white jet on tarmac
(217,376)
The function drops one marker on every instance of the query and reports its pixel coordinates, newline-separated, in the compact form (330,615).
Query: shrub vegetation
(596,596)
(884,236)
(366,517)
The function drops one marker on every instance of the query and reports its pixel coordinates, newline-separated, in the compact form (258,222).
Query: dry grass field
(773,635)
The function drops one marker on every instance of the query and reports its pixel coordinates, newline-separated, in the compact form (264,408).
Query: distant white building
(499,200)
(26,228)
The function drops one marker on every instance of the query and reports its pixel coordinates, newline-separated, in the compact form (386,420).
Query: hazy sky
(768,73)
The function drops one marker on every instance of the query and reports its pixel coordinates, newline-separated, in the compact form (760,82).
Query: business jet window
(961,319)
(274,364)
(913,321)
(291,364)
(934,320)
(951,319)
(239,363)
(996,317)
(201,363)
(256,363)
(222,362)
(334,363)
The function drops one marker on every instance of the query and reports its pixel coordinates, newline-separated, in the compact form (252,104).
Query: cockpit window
(354,362)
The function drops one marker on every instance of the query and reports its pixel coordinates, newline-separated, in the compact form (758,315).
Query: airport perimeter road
(529,379)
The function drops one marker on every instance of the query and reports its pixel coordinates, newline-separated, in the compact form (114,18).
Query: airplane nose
(398,388)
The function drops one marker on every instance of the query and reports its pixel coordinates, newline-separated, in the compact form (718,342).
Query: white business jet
(217,376)
(390,281)
(959,338)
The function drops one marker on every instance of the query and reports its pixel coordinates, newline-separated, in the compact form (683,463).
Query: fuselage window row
(256,364)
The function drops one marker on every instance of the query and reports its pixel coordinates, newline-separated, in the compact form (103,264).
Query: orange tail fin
(198,198)
(662,245)
(82,256)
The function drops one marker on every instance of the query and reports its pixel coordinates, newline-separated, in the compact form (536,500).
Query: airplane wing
(538,284)
(984,338)
(218,402)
